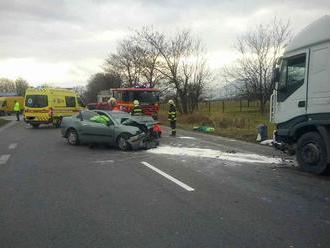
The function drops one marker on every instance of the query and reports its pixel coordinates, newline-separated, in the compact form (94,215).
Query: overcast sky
(64,42)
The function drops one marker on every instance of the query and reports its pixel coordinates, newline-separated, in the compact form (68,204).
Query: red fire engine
(148,98)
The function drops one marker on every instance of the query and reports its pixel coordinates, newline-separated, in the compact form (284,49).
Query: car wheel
(72,137)
(122,142)
(311,153)
(35,125)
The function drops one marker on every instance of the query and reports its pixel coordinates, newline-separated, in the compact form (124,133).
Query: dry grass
(235,124)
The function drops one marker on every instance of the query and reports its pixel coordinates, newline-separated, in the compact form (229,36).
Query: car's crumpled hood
(141,120)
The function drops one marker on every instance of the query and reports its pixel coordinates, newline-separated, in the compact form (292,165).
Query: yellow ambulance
(50,105)
(7,104)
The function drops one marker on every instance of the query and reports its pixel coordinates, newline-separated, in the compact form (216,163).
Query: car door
(107,131)
(93,131)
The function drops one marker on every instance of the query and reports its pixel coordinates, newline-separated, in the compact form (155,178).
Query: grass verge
(238,125)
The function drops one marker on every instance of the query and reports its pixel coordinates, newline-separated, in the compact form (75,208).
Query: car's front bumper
(142,141)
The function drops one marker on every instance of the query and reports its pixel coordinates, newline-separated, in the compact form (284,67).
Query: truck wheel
(122,142)
(72,137)
(312,153)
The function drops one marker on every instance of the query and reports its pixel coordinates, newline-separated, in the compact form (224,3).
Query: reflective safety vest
(17,107)
(172,113)
(137,111)
(100,119)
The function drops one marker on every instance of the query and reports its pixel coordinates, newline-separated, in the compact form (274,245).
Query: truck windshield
(36,101)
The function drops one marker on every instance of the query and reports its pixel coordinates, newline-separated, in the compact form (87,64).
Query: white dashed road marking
(104,161)
(4,158)
(181,184)
(12,146)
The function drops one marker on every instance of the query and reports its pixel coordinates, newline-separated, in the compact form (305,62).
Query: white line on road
(104,161)
(12,146)
(181,184)
(4,158)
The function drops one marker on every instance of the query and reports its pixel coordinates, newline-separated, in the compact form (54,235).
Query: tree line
(148,58)
(177,64)
(17,86)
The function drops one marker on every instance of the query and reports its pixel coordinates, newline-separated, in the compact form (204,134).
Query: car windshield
(118,116)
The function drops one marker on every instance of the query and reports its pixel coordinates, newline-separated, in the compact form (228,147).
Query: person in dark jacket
(137,110)
(172,116)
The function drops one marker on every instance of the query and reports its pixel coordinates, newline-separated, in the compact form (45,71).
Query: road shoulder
(6,125)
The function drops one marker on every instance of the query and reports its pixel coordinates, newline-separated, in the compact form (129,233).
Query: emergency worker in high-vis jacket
(136,110)
(17,109)
(172,116)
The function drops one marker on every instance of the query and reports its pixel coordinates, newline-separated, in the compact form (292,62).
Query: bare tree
(81,91)
(21,85)
(101,81)
(258,50)
(7,86)
(181,63)
(135,61)
(149,61)
(124,62)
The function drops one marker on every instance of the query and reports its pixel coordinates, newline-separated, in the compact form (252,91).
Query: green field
(232,119)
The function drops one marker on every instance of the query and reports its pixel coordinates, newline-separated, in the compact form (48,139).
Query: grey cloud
(64,30)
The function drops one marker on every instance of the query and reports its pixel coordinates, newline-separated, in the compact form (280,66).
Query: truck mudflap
(279,143)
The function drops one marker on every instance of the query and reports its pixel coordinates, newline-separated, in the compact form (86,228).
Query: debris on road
(187,137)
(216,154)
(204,129)
(268,142)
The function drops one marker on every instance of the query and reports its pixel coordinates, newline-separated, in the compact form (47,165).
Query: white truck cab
(300,103)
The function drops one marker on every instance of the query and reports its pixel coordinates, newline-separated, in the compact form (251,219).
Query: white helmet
(136,103)
(171,102)
(112,99)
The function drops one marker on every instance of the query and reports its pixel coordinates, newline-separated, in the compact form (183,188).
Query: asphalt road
(56,195)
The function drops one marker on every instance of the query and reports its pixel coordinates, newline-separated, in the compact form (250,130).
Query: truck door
(319,80)
(291,94)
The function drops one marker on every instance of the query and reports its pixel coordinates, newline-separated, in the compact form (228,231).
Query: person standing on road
(172,116)
(137,110)
(17,109)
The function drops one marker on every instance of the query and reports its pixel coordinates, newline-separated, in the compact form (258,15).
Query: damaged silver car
(115,128)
